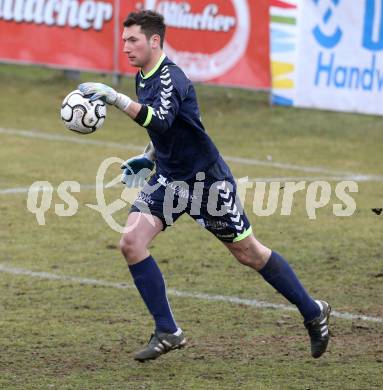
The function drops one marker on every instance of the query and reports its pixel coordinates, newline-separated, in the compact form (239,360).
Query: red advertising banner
(217,41)
(70,34)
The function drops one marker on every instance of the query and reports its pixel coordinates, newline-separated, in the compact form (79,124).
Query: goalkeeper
(183,152)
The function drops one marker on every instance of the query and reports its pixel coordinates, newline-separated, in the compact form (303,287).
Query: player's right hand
(136,170)
(99,91)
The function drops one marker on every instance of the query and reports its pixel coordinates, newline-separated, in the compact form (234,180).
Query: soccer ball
(81,115)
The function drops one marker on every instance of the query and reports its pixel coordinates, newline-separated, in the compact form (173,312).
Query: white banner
(283,50)
(340,55)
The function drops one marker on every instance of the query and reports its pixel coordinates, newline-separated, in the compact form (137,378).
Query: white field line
(355,177)
(24,190)
(65,138)
(239,160)
(182,294)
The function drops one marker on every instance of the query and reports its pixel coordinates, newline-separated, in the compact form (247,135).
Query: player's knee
(246,258)
(130,246)
(255,262)
(254,256)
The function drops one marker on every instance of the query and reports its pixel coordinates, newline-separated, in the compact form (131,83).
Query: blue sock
(281,276)
(151,285)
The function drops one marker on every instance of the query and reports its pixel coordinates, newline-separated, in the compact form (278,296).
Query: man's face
(137,46)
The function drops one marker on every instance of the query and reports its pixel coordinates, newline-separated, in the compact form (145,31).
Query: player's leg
(139,232)
(279,274)
(276,271)
(234,230)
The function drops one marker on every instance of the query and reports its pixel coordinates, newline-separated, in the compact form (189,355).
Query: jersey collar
(154,70)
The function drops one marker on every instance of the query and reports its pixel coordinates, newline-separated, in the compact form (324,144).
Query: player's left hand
(99,91)
(136,170)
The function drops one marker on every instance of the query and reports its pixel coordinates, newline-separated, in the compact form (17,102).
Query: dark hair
(150,22)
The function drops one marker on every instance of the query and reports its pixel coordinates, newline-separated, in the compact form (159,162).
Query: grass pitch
(70,335)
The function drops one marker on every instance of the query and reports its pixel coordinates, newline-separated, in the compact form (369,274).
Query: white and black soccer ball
(81,115)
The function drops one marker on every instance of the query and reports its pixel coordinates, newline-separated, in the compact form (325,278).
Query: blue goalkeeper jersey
(173,122)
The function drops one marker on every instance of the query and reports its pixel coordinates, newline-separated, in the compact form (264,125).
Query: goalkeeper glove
(138,168)
(102,91)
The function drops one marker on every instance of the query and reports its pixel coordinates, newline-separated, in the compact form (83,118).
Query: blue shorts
(210,199)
